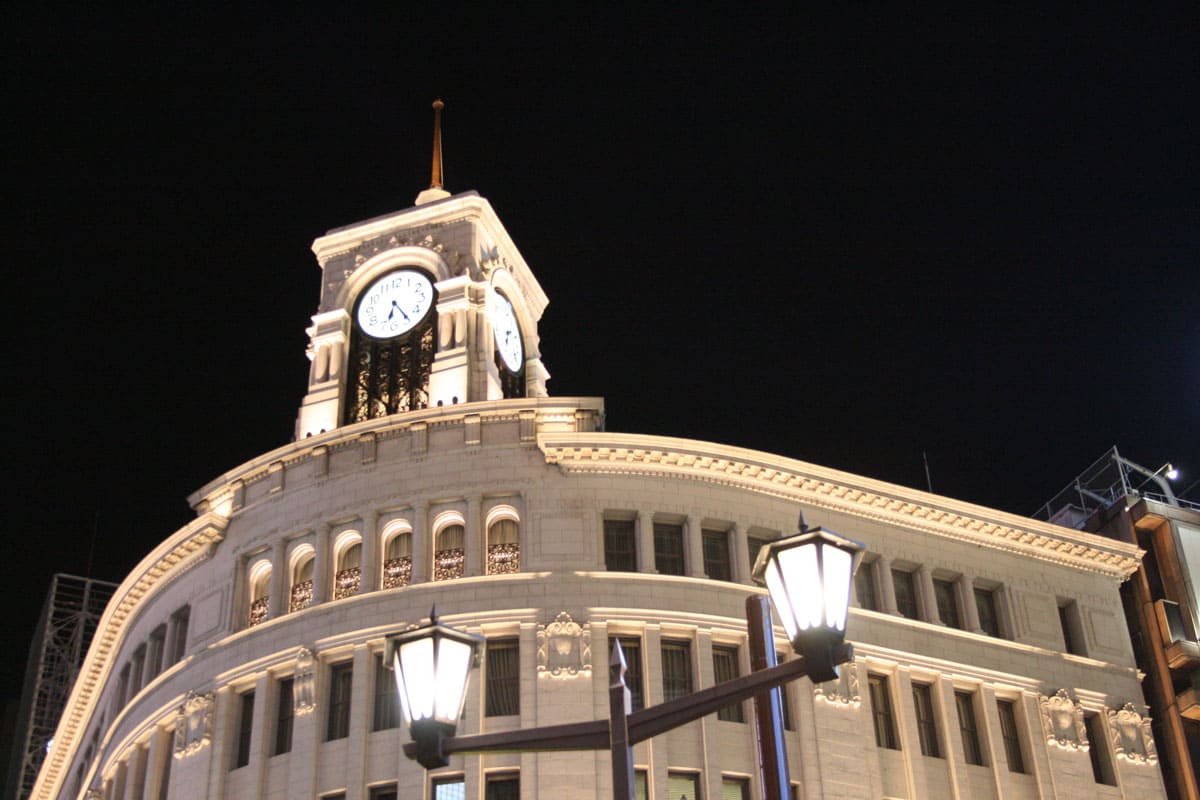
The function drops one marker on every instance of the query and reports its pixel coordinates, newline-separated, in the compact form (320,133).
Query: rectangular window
(668,548)
(677,669)
(449,788)
(136,675)
(632,647)
(1102,763)
(620,546)
(735,788)
(754,544)
(154,652)
(1011,735)
(504,786)
(926,723)
(989,621)
(725,668)
(716,555)
(179,623)
(341,678)
(881,710)
(906,593)
(1072,627)
(284,714)
(946,594)
(245,728)
(964,703)
(864,587)
(387,702)
(503,678)
(641,787)
(122,688)
(388,792)
(683,786)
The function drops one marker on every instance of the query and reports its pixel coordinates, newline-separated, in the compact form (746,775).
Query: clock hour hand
(396,307)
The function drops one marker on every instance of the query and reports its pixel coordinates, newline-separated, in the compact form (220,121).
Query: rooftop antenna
(435,190)
(928,479)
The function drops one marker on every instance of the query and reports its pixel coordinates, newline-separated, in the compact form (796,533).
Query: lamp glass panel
(414,677)
(779,598)
(803,571)
(453,666)
(837,565)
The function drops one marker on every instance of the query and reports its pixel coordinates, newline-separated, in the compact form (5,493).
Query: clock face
(395,304)
(508,334)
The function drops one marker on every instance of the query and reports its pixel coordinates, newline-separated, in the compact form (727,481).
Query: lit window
(676,669)
(348,576)
(504,548)
(735,788)
(641,789)
(881,710)
(301,593)
(1010,733)
(449,558)
(397,563)
(964,703)
(620,550)
(926,724)
(668,548)
(260,593)
(716,554)
(453,788)
(725,668)
(906,593)
(503,678)
(945,592)
(341,678)
(683,786)
(632,647)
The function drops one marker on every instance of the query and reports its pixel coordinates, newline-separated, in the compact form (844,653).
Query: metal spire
(436,182)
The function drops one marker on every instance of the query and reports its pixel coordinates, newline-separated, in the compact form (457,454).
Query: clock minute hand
(396,307)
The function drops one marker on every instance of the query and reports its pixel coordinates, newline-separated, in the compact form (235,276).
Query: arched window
(449,556)
(301,592)
(503,541)
(348,575)
(397,556)
(260,593)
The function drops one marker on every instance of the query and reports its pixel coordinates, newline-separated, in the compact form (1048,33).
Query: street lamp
(808,576)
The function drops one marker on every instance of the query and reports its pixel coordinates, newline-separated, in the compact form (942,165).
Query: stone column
(966,585)
(361,715)
(162,746)
(369,563)
(258,733)
(887,589)
(475,539)
(739,555)
(644,530)
(422,547)
(322,566)
(693,547)
(926,596)
(279,580)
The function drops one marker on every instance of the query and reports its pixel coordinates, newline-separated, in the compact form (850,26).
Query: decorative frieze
(303,692)
(1132,739)
(1062,721)
(194,725)
(564,648)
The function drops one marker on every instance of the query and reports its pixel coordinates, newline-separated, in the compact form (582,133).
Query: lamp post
(808,576)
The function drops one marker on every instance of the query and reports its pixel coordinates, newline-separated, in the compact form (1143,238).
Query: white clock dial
(395,304)
(508,334)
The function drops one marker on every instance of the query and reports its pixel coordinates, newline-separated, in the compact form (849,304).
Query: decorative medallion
(564,648)
(1131,736)
(194,726)
(1062,721)
(842,692)
(303,701)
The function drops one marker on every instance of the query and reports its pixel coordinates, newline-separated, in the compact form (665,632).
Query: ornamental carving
(564,648)
(1062,721)
(1131,736)
(841,692)
(303,697)
(194,725)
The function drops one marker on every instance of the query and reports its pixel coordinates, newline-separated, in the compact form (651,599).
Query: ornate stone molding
(1062,721)
(1132,739)
(840,693)
(303,693)
(661,457)
(564,648)
(194,725)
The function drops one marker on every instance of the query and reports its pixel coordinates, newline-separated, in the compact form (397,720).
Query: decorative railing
(397,572)
(503,559)
(448,564)
(258,611)
(346,582)
(302,594)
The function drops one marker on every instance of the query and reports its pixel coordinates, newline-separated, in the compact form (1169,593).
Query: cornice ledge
(615,453)
(183,550)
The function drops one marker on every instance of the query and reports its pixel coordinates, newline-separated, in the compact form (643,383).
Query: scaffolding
(60,642)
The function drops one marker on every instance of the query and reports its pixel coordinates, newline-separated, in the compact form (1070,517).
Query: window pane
(383,792)
(906,593)
(283,718)
(620,554)
(245,727)
(449,789)
(947,602)
(725,668)
(668,548)
(716,555)
(640,789)
(1011,735)
(683,786)
(926,726)
(864,587)
(504,787)
(1102,765)
(503,680)
(387,702)
(450,557)
(503,548)
(677,669)
(964,703)
(735,789)
(341,677)
(881,709)
(632,647)
(985,601)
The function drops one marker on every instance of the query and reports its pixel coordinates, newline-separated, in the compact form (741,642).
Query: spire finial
(436,182)
(435,190)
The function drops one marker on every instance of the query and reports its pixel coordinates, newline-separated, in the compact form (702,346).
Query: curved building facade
(242,657)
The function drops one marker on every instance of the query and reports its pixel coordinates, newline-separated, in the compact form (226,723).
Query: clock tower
(429,306)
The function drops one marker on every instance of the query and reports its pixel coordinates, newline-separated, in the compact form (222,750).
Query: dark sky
(849,239)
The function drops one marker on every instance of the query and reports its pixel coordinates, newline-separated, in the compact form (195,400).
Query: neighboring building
(1162,601)
(241,657)
(60,641)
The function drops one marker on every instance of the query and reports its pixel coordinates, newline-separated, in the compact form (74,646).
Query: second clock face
(395,304)
(508,334)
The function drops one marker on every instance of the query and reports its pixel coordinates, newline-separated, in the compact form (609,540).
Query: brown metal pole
(618,727)
(767,705)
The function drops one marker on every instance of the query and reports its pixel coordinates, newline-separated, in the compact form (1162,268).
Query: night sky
(850,239)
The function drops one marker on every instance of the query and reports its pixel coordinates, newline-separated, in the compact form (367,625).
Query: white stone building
(241,658)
